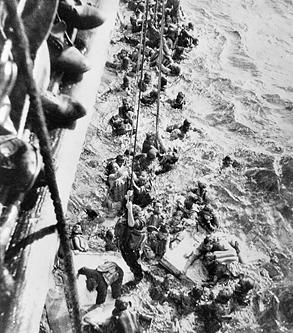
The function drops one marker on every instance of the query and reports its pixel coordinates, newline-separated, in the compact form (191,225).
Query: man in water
(157,217)
(126,111)
(123,319)
(179,130)
(179,101)
(174,7)
(79,243)
(108,274)
(141,190)
(132,239)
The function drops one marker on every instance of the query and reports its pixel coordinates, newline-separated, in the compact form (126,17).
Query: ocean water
(238,84)
(240,80)
(245,58)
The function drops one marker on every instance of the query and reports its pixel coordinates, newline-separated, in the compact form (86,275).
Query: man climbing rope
(131,239)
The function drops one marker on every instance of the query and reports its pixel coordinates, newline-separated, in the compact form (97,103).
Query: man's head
(207,239)
(109,234)
(175,69)
(152,154)
(207,216)
(168,280)
(140,6)
(224,295)
(123,53)
(157,207)
(180,96)
(154,94)
(77,229)
(143,178)
(126,81)
(208,243)
(91,284)
(246,284)
(120,160)
(136,210)
(147,78)
(188,204)
(163,230)
(178,215)
(125,102)
(201,185)
(137,12)
(119,307)
(190,26)
(151,137)
(186,124)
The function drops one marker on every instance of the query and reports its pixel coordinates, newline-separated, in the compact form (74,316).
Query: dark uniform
(142,195)
(108,274)
(132,241)
(123,320)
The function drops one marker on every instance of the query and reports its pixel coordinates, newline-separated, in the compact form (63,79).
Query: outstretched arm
(190,261)
(130,219)
(161,145)
(135,186)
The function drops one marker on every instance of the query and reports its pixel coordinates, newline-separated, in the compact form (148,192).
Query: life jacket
(142,199)
(119,190)
(109,271)
(162,240)
(121,231)
(136,238)
(110,167)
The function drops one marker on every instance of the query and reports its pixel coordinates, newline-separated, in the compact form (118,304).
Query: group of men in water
(144,231)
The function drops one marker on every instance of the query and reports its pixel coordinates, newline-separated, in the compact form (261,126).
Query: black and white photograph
(146,166)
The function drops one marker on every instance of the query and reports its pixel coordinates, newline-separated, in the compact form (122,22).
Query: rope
(134,101)
(27,65)
(156,12)
(160,68)
(139,93)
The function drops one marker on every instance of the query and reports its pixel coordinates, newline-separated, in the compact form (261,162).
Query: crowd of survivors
(145,230)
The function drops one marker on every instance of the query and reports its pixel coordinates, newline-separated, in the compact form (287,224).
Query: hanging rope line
(43,136)
(140,92)
(142,33)
(160,60)
(156,12)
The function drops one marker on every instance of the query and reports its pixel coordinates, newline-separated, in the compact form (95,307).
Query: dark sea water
(240,80)
(245,59)
(239,88)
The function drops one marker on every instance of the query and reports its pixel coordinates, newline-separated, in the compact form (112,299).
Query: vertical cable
(160,67)
(139,94)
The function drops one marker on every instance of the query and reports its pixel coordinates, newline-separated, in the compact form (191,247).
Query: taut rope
(43,136)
